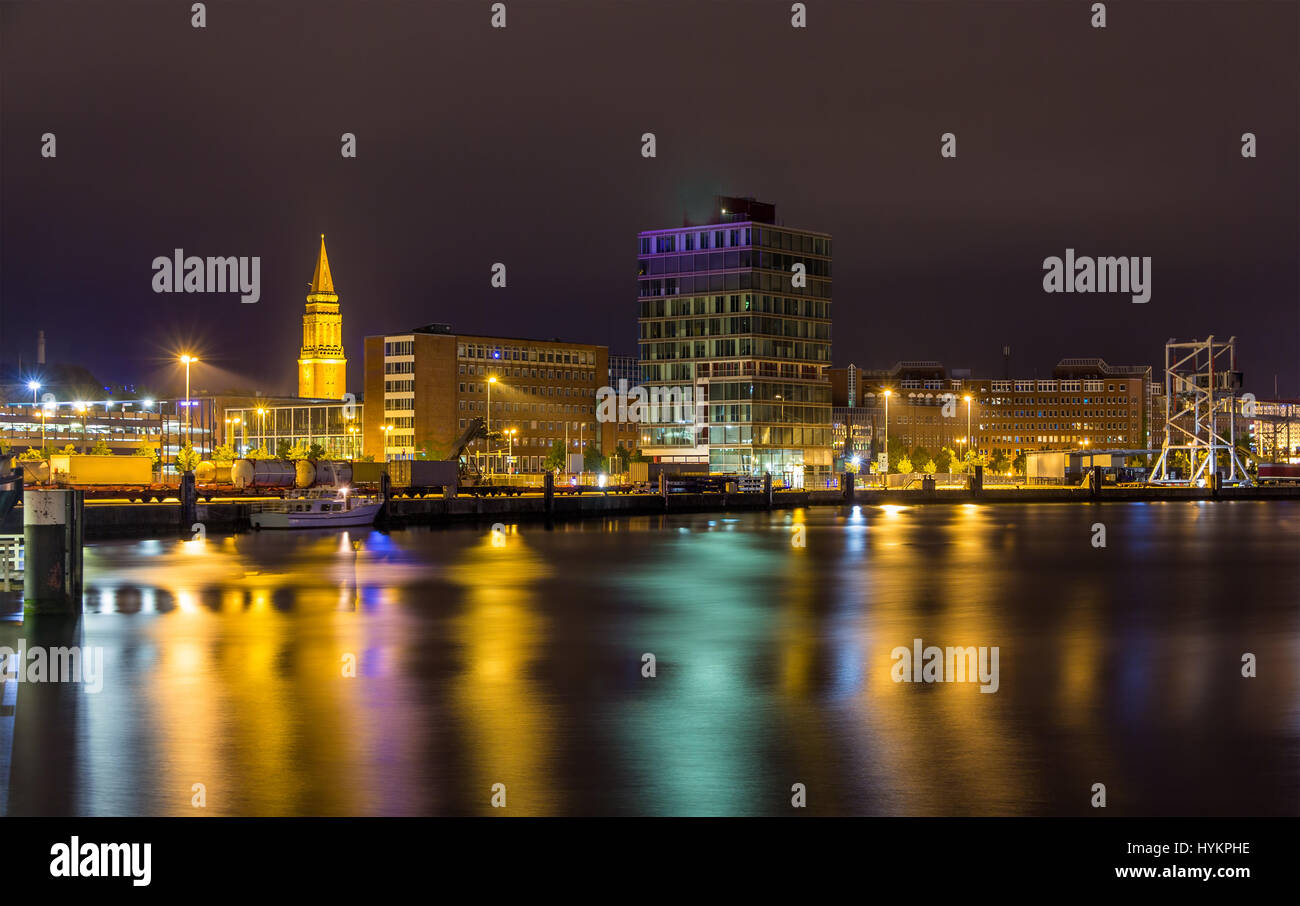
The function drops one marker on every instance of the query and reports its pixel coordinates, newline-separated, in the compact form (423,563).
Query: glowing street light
(968,432)
(261,431)
(188,360)
(888,394)
(387,429)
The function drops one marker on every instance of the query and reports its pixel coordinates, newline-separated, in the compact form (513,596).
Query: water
(522,665)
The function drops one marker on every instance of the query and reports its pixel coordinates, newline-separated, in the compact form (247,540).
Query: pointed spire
(321,281)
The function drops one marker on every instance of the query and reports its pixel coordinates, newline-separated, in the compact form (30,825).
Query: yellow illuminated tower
(322,366)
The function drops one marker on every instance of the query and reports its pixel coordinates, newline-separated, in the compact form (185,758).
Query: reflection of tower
(322,366)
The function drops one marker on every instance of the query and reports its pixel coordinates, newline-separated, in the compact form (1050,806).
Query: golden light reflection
(507,719)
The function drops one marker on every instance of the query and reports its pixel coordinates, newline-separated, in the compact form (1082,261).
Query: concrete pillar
(53,535)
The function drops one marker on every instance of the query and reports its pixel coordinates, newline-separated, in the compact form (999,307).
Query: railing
(11,560)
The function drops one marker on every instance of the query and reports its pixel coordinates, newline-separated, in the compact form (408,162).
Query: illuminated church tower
(322,366)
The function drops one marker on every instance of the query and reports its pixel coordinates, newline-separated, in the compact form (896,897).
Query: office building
(423,387)
(735,316)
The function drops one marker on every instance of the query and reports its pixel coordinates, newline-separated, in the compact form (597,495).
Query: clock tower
(322,366)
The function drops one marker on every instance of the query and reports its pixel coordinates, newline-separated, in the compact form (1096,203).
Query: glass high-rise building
(735,342)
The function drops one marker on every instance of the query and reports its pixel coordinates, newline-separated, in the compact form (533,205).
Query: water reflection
(520,663)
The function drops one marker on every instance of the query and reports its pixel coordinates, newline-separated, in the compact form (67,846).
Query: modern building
(322,364)
(624,375)
(423,387)
(268,424)
(735,315)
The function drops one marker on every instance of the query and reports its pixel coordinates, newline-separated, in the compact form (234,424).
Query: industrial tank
(304,473)
(262,473)
(213,472)
(333,473)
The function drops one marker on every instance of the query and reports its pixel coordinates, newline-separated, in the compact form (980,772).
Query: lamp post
(386,429)
(352,441)
(261,431)
(968,434)
(80,409)
(888,394)
(34,386)
(491,380)
(188,360)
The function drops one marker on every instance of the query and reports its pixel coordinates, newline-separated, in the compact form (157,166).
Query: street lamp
(968,434)
(261,432)
(386,429)
(888,394)
(491,380)
(80,407)
(352,441)
(188,360)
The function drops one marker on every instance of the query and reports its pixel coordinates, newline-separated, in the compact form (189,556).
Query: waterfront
(520,663)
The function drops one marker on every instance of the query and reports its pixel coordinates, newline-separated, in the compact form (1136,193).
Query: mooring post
(189,502)
(767,488)
(548,492)
(977,481)
(53,537)
(848,485)
(1095,482)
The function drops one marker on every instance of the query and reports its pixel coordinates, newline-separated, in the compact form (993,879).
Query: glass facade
(738,315)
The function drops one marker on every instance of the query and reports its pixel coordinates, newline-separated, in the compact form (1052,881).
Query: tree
(999,461)
(1018,464)
(638,456)
(258,453)
(69,450)
(31,454)
(920,454)
(943,462)
(369,457)
(223,454)
(618,460)
(555,457)
(592,460)
(282,448)
(904,466)
(4,446)
(147,449)
(315,452)
(187,459)
(101,448)
(930,467)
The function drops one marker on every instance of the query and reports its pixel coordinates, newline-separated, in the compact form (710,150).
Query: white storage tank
(262,473)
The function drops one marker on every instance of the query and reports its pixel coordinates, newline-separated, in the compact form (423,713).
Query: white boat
(317,508)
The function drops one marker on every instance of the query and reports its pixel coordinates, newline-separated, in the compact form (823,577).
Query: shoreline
(162,520)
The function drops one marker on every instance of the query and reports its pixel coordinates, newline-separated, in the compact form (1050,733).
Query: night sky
(522,145)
